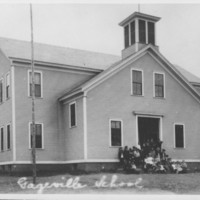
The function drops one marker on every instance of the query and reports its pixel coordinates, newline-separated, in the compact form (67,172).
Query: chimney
(139,31)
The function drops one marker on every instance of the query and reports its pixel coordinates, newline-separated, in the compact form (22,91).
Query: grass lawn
(101,183)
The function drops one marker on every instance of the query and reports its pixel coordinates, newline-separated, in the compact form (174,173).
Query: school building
(89,104)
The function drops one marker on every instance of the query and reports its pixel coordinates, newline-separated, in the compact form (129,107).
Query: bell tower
(139,30)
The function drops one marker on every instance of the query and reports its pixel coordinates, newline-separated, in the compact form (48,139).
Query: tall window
(8,86)
(159,85)
(72,114)
(126,36)
(1,90)
(116,133)
(179,136)
(151,33)
(142,31)
(8,137)
(38,84)
(38,136)
(137,82)
(133,32)
(2,139)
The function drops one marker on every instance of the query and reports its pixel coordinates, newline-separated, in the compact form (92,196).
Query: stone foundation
(73,168)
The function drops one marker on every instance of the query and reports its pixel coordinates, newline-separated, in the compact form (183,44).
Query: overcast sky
(95,27)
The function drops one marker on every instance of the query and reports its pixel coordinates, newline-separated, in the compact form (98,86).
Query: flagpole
(138,7)
(33,131)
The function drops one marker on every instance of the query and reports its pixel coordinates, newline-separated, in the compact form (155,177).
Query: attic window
(137,83)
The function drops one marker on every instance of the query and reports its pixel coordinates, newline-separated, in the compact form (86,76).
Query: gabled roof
(54,54)
(112,69)
(190,77)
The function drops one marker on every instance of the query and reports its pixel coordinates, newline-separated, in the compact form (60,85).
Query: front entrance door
(148,128)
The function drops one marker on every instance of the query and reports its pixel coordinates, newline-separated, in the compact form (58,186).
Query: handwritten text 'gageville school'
(74,183)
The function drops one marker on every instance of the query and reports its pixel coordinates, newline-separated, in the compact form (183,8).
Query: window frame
(2,147)
(70,125)
(131,73)
(149,34)
(41,75)
(174,127)
(29,128)
(154,85)
(8,87)
(145,31)
(8,149)
(110,138)
(2,80)
(127,37)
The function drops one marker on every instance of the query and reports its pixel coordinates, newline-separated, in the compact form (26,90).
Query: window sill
(134,95)
(37,149)
(161,98)
(179,148)
(115,147)
(73,127)
(35,97)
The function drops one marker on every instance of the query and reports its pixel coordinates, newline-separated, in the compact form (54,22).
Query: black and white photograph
(99,98)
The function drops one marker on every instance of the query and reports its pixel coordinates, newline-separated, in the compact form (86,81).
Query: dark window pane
(7,91)
(137,82)
(2,138)
(179,136)
(38,136)
(37,84)
(1,91)
(159,85)
(37,90)
(151,33)
(133,32)
(115,133)
(8,137)
(126,36)
(73,114)
(142,31)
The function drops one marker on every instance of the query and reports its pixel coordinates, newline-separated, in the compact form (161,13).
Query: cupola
(139,30)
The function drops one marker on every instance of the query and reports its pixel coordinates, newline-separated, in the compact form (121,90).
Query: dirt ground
(103,183)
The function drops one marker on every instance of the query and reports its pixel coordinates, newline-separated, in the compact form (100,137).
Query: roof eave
(70,95)
(42,63)
(141,16)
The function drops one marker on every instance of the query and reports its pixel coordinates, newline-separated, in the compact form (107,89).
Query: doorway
(148,128)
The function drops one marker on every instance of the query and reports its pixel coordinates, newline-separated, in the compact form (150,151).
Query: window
(38,135)
(126,36)
(137,82)
(179,136)
(142,31)
(1,90)
(159,85)
(8,137)
(8,86)
(151,33)
(133,32)
(116,133)
(38,84)
(72,114)
(2,139)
